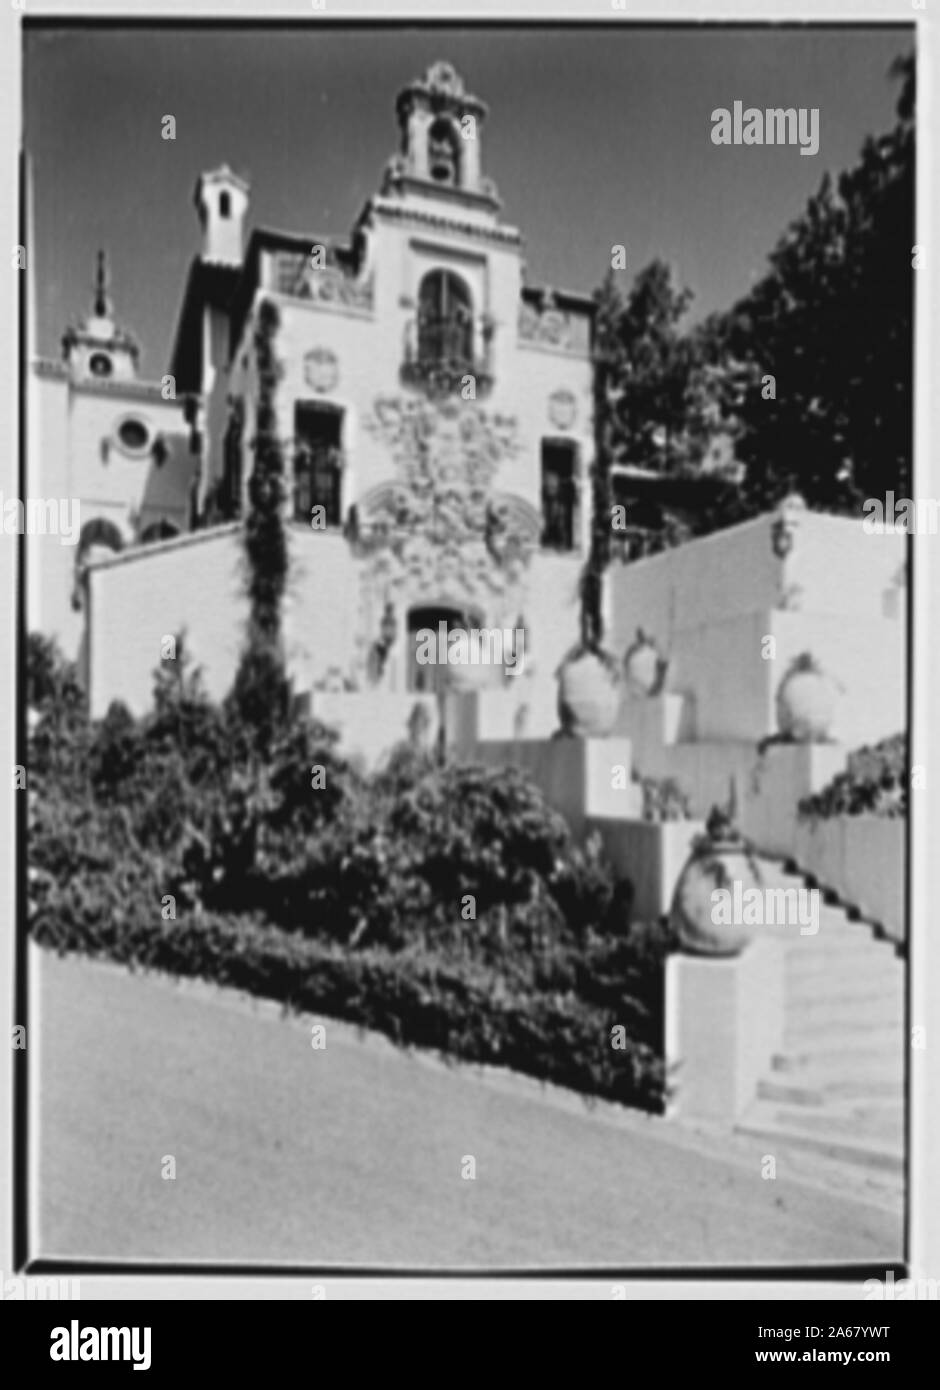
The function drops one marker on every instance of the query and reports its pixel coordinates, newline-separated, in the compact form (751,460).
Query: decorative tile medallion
(321,369)
(562,409)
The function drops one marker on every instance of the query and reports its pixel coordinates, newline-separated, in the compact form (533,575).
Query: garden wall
(712,603)
(197,583)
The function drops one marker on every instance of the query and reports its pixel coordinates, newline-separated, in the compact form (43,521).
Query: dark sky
(594,138)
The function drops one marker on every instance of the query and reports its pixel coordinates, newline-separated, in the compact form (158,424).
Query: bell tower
(440,126)
(98,349)
(221,200)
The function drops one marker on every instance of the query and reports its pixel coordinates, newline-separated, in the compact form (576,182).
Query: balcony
(335,284)
(441,351)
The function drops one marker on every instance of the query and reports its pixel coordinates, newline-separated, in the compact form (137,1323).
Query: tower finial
(102,305)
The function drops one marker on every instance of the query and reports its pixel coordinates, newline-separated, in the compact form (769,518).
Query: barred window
(559,492)
(317,461)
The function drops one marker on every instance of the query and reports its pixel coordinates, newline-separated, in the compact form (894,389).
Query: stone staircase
(837,1085)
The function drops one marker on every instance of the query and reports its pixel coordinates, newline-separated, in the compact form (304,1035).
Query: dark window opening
(445,319)
(559,472)
(134,435)
(100,364)
(317,461)
(230,489)
(225,205)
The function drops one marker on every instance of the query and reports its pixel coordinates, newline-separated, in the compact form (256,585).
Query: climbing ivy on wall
(260,691)
(608,362)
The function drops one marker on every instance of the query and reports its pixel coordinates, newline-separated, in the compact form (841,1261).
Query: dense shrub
(445,904)
(186,786)
(416,997)
(873,783)
(405,853)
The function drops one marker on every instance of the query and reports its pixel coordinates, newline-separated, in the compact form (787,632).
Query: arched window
(225,204)
(100,533)
(445,319)
(444,153)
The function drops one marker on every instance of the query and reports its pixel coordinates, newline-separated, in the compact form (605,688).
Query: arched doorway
(436,676)
(428,678)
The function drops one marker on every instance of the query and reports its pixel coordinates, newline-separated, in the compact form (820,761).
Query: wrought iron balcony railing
(440,352)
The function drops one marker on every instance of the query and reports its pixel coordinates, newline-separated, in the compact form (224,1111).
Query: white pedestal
(724,1022)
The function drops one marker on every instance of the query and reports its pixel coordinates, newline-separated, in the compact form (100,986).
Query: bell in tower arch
(444,153)
(440,125)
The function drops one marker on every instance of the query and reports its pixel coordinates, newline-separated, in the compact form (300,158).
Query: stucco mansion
(435,413)
(434,410)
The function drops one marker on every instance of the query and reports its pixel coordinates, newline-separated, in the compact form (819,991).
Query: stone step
(814,1085)
(830,936)
(842,987)
(884,1006)
(846,1057)
(772,1124)
(881,1119)
(840,1037)
(843,984)
(882,1054)
(854,963)
(835,926)
(840,934)
(821,951)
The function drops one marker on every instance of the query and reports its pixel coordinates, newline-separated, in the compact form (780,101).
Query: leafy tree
(656,400)
(832,323)
(661,412)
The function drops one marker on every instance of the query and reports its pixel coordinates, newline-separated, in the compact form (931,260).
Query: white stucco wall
(714,579)
(552,610)
(840,568)
(712,603)
(194,584)
(197,584)
(103,473)
(369,352)
(73,453)
(369,349)
(320,606)
(49,564)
